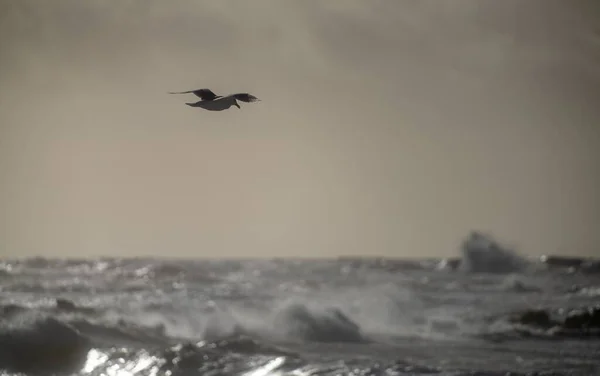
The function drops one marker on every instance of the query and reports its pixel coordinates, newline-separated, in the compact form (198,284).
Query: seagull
(212,102)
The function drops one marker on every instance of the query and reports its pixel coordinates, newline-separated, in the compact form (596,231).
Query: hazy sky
(385,128)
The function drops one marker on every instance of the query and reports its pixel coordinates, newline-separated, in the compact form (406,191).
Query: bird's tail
(245,97)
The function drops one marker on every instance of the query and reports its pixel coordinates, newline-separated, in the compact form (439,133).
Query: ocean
(488,312)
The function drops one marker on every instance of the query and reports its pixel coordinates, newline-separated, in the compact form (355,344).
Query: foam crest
(289,321)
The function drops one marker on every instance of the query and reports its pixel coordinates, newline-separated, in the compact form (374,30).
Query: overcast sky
(385,127)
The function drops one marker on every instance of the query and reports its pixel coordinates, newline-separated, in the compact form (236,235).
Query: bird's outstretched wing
(245,97)
(204,94)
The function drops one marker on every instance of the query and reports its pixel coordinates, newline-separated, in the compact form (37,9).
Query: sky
(385,128)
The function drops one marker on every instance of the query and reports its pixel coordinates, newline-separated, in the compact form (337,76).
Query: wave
(235,356)
(323,324)
(571,264)
(241,339)
(34,342)
(481,253)
(60,305)
(289,322)
(386,312)
(35,345)
(387,264)
(381,314)
(515,283)
(580,323)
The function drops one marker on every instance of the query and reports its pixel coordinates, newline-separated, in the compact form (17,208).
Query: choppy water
(293,317)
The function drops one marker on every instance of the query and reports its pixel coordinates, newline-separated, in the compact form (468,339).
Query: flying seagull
(212,102)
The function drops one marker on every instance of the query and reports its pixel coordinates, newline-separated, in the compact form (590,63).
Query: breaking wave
(482,254)
(36,345)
